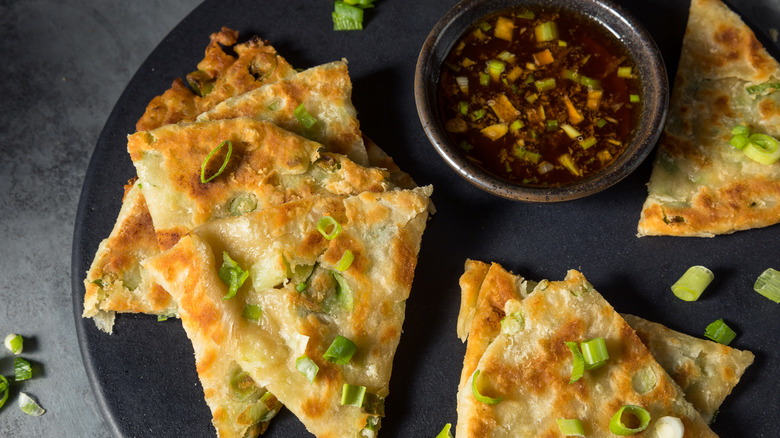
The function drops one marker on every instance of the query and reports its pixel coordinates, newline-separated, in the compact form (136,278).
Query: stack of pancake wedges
(282,237)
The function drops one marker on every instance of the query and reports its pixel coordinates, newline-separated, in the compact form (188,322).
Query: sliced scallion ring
(578,363)
(203,178)
(571,427)
(763,149)
(327,222)
(482,398)
(242,386)
(618,427)
(232,275)
(768,284)
(22,369)
(30,406)
(303,116)
(719,332)
(3,389)
(306,366)
(352,395)
(347,17)
(252,312)
(14,343)
(445,432)
(594,352)
(346,261)
(340,351)
(691,285)
(669,427)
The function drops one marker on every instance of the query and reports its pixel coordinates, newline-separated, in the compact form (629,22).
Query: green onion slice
(512,323)
(633,98)
(482,398)
(4,389)
(205,163)
(739,141)
(528,15)
(303,116)
(691,285)
(601,123)
(618,427)
(571,427)
(545,84)
(578,363)
(14,343)
(719,332)
(669,427)
(768,284)
(546,31)
(445,432)
(326,222)
(588,142)
(232,275)
(30,406)
(343,292)
(301,287)
(594,352)
(352,395)
(346,261)
(624,72)
(306,366)
(22,369)
(340,351)
(763,149)
(252,312)
(242,387)
(740,130)
(571,131)
(484,79)
(347,17)
(760,88)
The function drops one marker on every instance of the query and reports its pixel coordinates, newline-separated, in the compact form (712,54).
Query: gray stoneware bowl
(649,65)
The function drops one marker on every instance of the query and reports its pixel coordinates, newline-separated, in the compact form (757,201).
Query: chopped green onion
(495,68)
(14,343)
(484,26)
(478,114)
(374,404)
(633,98)
(242,204)
(760,88)
(482,398)
(346,261)
(594,352)
(347,17)
(624,72)
(562,43)
(372,424)
(252,312)
(768,284)
(512,323)
(307,367)
(588,142)
(546,31)
(484,79)
(352,395)
(340,351)
(303,116)
(242,387)
(506,56)
(531,98)
(205,163)
(201,82)
(30,406)
(22,369)
(545,84)
(272,404)
(601,123)
(515,126)
(571,131)
(445,432)
(3,389)
(763,149)
(164,317)
(552,125)
(301,287)
(719,332)
(343,292)
(232,275)
(463,83)
(669,427)
(524,154)
(691,285)
(739,141)
(466,146)
(618,427)
(591,83)
(578,363)
(528,15)
(740,130)
(326,222)
(571,427)
(463,107)
(644,380)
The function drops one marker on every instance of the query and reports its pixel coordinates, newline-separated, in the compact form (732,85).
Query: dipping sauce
(539,97)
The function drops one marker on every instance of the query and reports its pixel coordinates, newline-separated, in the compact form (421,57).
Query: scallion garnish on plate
(691,285)
(619,427)
(768,284)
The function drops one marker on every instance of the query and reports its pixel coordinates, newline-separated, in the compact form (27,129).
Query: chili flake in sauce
(541,98)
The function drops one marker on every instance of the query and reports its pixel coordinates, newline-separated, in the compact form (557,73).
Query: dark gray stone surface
(64,65)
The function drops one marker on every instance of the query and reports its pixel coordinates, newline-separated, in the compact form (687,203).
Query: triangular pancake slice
(306,300)
(706,371)
(700,184)
(267,166)
(529,365)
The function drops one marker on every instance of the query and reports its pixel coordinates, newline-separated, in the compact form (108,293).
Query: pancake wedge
(700,184)
(267,166)
(706,371)
(298,299)
(116,282)
(529,365)
(219,76)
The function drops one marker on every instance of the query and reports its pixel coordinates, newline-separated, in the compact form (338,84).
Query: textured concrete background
(63,67)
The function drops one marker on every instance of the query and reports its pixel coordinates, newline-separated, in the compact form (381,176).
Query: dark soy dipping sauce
(510,120)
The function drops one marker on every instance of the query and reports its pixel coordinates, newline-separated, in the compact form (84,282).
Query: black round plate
(144,375)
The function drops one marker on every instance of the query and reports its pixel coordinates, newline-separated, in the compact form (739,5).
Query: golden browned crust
(256,63)
(701,185)
(531,367)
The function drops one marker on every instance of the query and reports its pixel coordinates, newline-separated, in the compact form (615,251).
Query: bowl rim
(616,20)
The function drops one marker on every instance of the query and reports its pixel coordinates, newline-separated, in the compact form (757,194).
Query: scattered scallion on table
(768,284)
(719,332)
(30,406)
(691,285)
(445,432)
(22,369)
(14,343)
